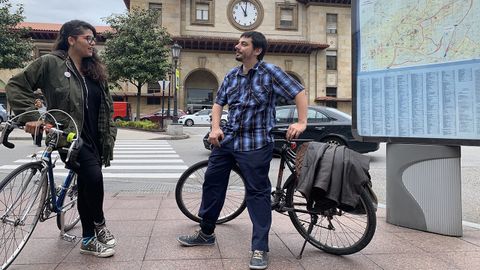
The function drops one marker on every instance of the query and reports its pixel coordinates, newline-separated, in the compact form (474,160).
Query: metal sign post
(163,85)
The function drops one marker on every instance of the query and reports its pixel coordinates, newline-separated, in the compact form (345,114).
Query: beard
(238,57)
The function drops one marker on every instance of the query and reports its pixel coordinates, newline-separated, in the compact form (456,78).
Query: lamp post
(175,56)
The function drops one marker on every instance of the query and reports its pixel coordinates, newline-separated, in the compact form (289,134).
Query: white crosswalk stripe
(133,159)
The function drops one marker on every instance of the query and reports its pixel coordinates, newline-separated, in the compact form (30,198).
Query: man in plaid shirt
(250,91)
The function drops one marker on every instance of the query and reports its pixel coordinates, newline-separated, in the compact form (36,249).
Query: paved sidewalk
(146,226)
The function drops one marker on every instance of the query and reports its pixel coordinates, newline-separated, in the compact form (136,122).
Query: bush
(146,125)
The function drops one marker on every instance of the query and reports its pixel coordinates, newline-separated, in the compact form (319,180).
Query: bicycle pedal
(68,237)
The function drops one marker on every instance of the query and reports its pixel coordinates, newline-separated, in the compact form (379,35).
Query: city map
(418,32)
(418,69)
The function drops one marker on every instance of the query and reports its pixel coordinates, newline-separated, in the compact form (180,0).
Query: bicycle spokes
(21,201)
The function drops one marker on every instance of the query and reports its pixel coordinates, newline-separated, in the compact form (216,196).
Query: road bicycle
(29,194)
(330,229)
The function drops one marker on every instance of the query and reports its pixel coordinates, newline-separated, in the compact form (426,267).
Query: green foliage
(147,125)
(15,46)
(137,50)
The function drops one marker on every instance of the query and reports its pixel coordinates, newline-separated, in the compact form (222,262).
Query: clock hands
(244,9)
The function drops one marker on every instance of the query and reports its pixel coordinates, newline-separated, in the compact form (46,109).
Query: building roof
(228,44)
(50,30)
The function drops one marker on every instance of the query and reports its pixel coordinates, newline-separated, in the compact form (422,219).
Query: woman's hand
(31,127)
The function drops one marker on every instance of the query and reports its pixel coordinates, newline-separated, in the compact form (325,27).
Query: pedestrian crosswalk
(133,160)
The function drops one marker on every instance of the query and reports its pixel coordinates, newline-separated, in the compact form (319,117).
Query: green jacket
(63,89)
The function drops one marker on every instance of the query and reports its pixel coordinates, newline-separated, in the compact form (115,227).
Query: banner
(177,79)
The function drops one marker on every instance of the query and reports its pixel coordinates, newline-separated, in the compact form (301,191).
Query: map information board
(417,68)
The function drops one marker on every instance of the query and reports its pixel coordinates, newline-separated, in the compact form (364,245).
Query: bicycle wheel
(333,230)
(22,198)
(69,207)
(188,193)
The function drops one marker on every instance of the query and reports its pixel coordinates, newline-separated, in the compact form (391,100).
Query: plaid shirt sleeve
(284,84)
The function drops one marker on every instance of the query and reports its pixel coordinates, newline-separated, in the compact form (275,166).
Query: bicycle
(28,194)
(332,230)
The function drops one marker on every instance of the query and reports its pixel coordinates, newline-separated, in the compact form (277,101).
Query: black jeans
(90,190)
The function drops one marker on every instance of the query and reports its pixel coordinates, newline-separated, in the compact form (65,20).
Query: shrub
(146,125)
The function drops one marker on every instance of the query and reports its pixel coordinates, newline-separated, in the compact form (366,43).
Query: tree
(137,50)
(15,45)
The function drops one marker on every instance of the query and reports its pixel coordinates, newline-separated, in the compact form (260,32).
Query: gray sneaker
(105,236)
(197,239)
(259,260)
(94,247)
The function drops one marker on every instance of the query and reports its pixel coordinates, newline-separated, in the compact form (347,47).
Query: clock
(245,14)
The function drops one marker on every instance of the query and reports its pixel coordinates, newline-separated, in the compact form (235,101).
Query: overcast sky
(60,11)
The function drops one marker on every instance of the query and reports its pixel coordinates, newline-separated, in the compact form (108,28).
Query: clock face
(245,14)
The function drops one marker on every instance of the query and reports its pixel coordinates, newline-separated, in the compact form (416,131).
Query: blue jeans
(254,166)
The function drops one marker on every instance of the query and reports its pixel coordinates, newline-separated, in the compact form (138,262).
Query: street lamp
(175,56)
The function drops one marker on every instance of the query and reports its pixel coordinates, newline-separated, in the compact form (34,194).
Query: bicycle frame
(48,164)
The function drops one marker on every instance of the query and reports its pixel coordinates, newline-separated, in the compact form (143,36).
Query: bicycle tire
(72,217)
(351,232)
(20,199)
(188,193)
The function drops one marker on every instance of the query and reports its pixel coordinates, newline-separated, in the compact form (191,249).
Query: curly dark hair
(92,67)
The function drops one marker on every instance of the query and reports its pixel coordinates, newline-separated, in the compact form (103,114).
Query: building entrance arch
(200,88)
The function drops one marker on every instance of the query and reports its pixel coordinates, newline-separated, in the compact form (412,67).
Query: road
(150,166)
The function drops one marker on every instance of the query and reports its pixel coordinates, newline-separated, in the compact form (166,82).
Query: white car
(223,119)
(199,118)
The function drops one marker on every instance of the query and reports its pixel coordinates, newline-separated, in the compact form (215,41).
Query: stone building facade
(310,39)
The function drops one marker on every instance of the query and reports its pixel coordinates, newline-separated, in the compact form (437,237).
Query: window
(331,60)
(313,116)
(153,88)
(331,23)
(283,116)
(41,50)
(331,92)
(158,8)
(198,99)
(202,12)
(286,16)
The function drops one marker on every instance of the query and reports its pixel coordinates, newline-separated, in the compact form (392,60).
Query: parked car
(200,117)
(3,113)
(324,124)
(223,119)
(157,116)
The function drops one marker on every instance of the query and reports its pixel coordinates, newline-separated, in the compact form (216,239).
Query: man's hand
(31,127)
(215,136)
(294,130)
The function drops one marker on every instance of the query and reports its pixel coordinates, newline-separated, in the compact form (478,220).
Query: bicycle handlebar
(72,152)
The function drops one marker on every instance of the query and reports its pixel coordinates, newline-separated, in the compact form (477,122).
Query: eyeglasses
(88,38)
